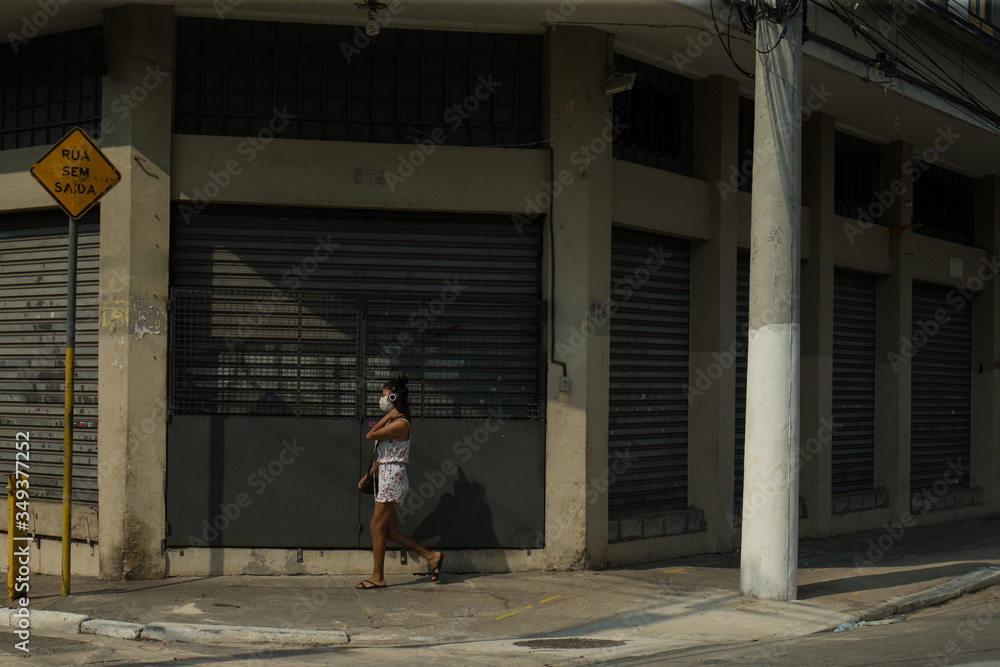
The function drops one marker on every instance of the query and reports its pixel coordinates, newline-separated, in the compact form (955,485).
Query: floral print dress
(392,456)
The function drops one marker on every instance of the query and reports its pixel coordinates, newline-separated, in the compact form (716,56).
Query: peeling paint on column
(143,315)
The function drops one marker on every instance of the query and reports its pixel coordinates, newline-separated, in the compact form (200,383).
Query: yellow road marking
(516,611)
(833,544)
(676,570)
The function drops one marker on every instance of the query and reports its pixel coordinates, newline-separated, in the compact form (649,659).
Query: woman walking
(392,434)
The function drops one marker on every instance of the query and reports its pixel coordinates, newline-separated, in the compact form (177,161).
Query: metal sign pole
(68,421)
(77,174)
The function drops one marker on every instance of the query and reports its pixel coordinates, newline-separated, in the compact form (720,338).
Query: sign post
(77,174)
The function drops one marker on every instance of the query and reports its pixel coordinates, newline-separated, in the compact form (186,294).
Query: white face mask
(385,404)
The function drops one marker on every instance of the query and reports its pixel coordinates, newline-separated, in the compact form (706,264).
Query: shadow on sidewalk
(85,588)
(879,580)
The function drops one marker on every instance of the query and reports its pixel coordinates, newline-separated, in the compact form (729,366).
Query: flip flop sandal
(361,585)
(436,570)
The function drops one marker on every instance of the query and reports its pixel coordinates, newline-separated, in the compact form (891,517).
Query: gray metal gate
(941,387)
(742,343)
(648,413)
(853,451)
(284,325)
(33,265)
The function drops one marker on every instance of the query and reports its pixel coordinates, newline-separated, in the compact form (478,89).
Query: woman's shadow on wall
(462,519)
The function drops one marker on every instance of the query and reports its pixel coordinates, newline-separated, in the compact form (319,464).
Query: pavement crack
(369,617)
(475,587)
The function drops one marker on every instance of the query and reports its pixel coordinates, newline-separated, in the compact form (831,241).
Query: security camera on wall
(618,83)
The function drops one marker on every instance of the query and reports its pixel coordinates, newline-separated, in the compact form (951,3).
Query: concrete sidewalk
(682,602)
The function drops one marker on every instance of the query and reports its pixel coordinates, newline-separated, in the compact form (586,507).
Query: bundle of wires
(911,54)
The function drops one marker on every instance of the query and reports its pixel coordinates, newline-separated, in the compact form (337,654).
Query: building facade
(307,210)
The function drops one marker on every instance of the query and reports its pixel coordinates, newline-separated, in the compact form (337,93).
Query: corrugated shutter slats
(853,454)
(33,266)
(742,342)
(649,367)
(941,387)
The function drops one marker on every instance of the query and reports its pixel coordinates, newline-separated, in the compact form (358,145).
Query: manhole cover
(569,642)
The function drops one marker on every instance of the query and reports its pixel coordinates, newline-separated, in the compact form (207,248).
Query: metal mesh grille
(47,89)
(260,353)
(256,353)
(400,87)
(856,175)
(473,358)
(659,115)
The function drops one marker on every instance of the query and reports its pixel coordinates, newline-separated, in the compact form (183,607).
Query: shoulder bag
(369,484)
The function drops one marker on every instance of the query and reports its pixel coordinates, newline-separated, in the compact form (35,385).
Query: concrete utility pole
(769,556)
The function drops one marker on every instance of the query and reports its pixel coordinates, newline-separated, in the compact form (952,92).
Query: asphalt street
(963,632)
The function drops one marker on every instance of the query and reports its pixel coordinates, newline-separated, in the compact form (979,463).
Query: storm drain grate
(569,642)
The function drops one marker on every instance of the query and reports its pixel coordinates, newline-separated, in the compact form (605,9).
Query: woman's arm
(381,422)
(384,430)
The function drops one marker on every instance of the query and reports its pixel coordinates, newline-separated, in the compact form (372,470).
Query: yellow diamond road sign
(76,173)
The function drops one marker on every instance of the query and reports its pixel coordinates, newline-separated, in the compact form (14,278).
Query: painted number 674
(364,177)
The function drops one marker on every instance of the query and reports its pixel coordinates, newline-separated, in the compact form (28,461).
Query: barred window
(856,176)
(48,86)
(466,89)
(943,203)
(658,118)
(744,163)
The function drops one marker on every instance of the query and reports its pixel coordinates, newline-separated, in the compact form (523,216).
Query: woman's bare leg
(382,516)
(407,542)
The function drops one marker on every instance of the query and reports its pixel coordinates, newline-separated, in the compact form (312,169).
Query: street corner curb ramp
(192,633)
(970,582)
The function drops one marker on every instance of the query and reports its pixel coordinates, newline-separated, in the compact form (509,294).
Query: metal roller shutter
(853,453)
(33,265)
(356,252)
(742,341)
(941,387)
(648,411)
(284,324)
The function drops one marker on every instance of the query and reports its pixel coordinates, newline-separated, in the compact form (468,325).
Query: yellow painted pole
(10,537)
(67,488)
(67,472)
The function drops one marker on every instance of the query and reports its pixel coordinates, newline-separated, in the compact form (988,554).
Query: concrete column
(132,342)
(578,118)
(894,315)
(815,474)
(711,436)
(768,562)
(985,463)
